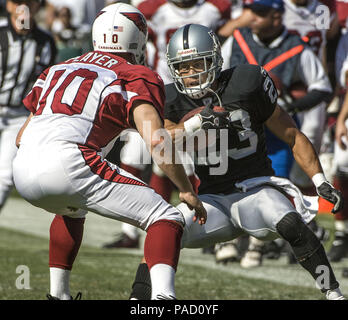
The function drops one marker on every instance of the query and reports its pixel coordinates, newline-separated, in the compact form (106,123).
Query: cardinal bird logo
(100,13)
(138,20)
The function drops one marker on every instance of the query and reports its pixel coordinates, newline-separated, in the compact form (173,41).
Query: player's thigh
(71,178)
(41,179)
(259,212)
(113,192)
(218,227)
(8,149)
(137,205)
(341,156)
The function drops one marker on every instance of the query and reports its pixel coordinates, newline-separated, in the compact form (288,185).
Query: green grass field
(104,274)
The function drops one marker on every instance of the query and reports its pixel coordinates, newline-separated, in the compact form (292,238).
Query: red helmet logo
(138,20)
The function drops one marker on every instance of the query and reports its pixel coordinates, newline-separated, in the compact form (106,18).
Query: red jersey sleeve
(32,99)
(149,91)
(224,7)
(149,7)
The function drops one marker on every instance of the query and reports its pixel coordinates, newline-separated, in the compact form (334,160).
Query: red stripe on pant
(103,170)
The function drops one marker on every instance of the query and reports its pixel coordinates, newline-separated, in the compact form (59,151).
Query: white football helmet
(120,27)
(189,43)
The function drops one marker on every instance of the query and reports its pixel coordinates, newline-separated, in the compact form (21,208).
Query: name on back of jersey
(97,59)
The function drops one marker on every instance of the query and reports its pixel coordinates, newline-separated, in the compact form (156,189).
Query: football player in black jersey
(238,188)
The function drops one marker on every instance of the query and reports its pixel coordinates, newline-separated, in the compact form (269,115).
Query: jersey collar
(275,43)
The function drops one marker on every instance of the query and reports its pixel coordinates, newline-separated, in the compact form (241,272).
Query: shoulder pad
(247,78)
(134,72)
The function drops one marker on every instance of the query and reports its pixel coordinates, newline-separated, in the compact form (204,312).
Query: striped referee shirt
(22,59)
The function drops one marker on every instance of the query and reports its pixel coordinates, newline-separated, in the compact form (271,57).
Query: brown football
(198,110)
(201,140)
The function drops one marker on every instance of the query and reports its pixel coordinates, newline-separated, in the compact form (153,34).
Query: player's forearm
(165,155)
(176,173)
(306,156)
(176,131)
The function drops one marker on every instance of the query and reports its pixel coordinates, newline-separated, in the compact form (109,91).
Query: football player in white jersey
(78,108)
(164,18)
(311,20)
(339,248)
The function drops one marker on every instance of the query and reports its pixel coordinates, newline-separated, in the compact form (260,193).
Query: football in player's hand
(202,139)
(198,110)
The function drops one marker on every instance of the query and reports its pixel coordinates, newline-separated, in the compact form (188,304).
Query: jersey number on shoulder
(270,89)
(71,94)
(247,138)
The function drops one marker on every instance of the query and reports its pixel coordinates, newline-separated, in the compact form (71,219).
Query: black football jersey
(239,153)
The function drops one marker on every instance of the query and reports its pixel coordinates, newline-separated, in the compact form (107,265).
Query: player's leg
(218,228)
(8,132)
(88,182)
(282,160)
(274,215)
(129,238)
(339,247)
(161,183)
(310,253)
(133,157)
(65,239)
(147,210)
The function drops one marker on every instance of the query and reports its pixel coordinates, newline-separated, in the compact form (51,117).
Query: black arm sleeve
(310,100)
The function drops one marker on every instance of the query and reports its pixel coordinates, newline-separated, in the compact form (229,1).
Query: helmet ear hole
(120,28)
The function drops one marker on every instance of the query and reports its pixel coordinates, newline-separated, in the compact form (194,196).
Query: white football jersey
(164,18)
(310,23)
(88,99)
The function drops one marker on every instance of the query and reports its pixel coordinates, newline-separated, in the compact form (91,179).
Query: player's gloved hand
(329,193)
(212,119)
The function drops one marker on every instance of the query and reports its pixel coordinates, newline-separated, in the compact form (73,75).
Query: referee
(25,51)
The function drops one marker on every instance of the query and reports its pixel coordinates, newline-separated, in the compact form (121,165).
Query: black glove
(329,193)
(214,120)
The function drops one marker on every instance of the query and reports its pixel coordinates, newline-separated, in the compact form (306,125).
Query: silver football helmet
(189,43)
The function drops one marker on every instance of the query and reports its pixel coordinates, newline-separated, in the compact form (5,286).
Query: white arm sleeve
(341,62)
(226,52)
(311,71)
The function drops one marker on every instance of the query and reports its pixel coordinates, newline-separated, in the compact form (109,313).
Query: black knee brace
(302,239)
